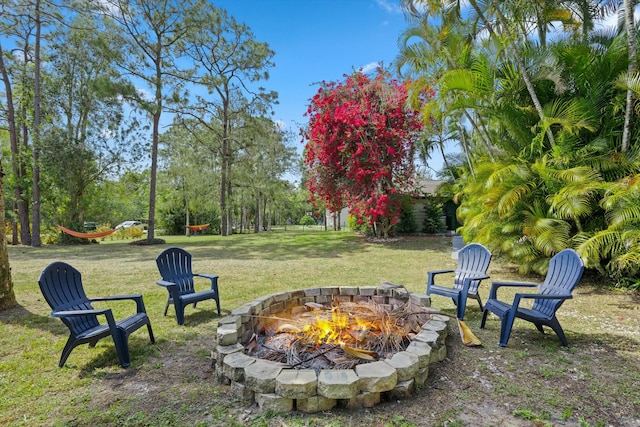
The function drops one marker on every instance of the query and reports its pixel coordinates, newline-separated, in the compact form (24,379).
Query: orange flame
(334,328)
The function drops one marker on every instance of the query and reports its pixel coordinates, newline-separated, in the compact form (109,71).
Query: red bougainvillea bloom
(359,146)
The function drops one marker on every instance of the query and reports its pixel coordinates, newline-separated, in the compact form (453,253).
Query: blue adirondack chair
(174,265)
(61,285)
(473,263)
(565,271)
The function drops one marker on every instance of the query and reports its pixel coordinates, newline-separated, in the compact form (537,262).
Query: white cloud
(390,7)
(369,67)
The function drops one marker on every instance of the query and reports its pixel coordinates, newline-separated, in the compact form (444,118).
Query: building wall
(344,214)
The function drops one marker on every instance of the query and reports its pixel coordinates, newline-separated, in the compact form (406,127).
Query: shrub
(307,220)
(433,216)
(363,227)
(406,223)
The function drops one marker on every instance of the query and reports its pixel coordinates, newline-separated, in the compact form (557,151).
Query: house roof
(428,186)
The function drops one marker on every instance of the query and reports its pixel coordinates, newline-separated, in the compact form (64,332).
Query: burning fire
(342,335)
(336,328)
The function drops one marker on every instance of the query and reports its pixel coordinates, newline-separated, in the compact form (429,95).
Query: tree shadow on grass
(199,315)
(105,352)
(20,316)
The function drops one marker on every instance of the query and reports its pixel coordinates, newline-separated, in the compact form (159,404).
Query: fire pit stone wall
(276,387)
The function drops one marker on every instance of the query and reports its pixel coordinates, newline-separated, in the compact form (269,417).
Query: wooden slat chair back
(61,286)
(175,267)
(473,263)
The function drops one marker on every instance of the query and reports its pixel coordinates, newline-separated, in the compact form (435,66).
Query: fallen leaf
(359,352)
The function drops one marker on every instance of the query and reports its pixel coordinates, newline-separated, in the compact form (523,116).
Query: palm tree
(427,52)
(497,28)
(629,24)
(615,250)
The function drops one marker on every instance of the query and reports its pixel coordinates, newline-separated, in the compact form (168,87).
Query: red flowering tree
(360,145)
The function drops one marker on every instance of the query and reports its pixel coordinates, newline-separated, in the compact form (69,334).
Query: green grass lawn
(171,383)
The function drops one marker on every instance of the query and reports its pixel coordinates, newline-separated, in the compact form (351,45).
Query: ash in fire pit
(337,336)
(318,348)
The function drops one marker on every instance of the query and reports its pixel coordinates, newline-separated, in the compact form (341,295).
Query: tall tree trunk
(154,172)
(229,205)
(269,213)
(223,195)
(633,66)
(263,212)
(17,165)
(7,295)
(465,150)
(14,228)
(256,221)
(155,142)
(224,177)
(35,237)
(187,219)
(25,227)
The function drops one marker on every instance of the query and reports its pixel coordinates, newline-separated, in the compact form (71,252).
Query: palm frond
(627,81)
(575,200)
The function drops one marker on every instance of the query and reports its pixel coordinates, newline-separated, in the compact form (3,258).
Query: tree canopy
(360,146)
(544,120)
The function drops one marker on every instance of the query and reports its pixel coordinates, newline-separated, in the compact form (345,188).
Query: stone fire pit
(274,386)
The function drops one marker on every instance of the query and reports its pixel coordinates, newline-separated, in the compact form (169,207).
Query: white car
(129,224)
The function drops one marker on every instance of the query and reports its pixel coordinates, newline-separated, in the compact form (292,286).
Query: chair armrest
(431,276)
(133,297)
(174,292)
(518,297)
(206,276)
(544,296)
(493,293)
(166,284)
(434,272)
(75,313)
(466,283)
(116,297)
(477,277)
(212,277)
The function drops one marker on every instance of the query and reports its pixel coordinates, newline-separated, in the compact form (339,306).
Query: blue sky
(318,40)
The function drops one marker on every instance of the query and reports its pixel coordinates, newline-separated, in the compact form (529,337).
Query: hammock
(85,235)
(197,227)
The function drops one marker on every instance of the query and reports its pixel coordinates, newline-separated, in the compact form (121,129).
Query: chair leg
(505,327)
(461,306)
(151,337)
(484,318)
(121,341)
(70,345)
(555,325)
(166,307)
(179,312)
